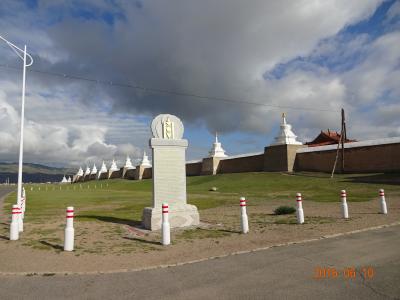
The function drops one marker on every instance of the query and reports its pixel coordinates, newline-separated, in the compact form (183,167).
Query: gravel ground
(105,246)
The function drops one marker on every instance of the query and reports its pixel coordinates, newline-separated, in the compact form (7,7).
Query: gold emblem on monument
(168,129)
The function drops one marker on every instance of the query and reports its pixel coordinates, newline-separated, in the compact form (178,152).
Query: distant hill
(32,173)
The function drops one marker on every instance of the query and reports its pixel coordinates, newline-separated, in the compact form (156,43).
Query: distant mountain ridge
(32,172)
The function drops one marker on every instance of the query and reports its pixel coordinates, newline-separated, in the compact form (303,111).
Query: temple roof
(327,138)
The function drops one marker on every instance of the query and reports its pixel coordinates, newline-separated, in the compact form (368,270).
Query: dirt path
(4,191)
(103,246)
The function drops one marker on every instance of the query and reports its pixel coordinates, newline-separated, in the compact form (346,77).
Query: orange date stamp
(346,273)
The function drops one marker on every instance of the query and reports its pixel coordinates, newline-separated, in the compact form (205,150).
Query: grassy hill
(125,199)
(31,172)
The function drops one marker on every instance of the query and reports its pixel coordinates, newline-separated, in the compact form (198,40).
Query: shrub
(284,210)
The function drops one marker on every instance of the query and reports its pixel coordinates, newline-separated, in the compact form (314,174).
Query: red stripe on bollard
(70,211)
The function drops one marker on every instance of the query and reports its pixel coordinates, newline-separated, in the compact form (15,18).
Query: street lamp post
(24,56)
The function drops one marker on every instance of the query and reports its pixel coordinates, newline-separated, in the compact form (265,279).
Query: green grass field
(121,201)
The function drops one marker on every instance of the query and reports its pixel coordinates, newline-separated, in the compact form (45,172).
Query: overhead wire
(165,91)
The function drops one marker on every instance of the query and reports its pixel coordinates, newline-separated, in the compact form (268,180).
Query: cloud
(229,49)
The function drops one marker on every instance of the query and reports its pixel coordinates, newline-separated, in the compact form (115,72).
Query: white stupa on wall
(80,172)
(64,180)
(286,135)
(69,179)
(217,150)
(87,172)
(114,166)
(103,168)
(94,170)
(128,163)
(145,161)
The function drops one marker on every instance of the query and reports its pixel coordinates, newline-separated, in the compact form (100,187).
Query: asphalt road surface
(288,272)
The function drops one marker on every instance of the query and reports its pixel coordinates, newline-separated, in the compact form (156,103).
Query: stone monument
(169,175)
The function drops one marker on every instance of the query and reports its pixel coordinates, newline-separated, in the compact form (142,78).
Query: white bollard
(69,230)
(22,208)
(243,213)
(14,226)
(20,219)
(345,209)
(383,202)
(165,227)
(299,212)
(23,203)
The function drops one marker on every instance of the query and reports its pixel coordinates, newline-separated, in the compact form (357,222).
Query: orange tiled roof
(327,138)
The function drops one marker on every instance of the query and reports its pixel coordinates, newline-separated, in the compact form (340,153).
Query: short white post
(299,212)
(14,226)
(345,209)
(383,202)
(165,227)
(20,219)
(69,230)
(243,214)
(23,202)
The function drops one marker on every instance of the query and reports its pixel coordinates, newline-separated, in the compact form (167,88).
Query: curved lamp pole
(23,55)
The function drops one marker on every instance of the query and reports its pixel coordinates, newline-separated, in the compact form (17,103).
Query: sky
(306,58)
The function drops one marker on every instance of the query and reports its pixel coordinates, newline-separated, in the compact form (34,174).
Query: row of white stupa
(65,180)
(285,137)
(128,166)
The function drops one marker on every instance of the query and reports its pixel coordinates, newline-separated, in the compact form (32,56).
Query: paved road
(277,273)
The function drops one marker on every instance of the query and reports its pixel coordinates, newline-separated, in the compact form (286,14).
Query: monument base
(186,215)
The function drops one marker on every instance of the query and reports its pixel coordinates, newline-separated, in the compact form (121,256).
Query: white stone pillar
(69,230)
(166,233)
(299,212)
(14,226)
(383,202)
(345,209)
(243,215)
